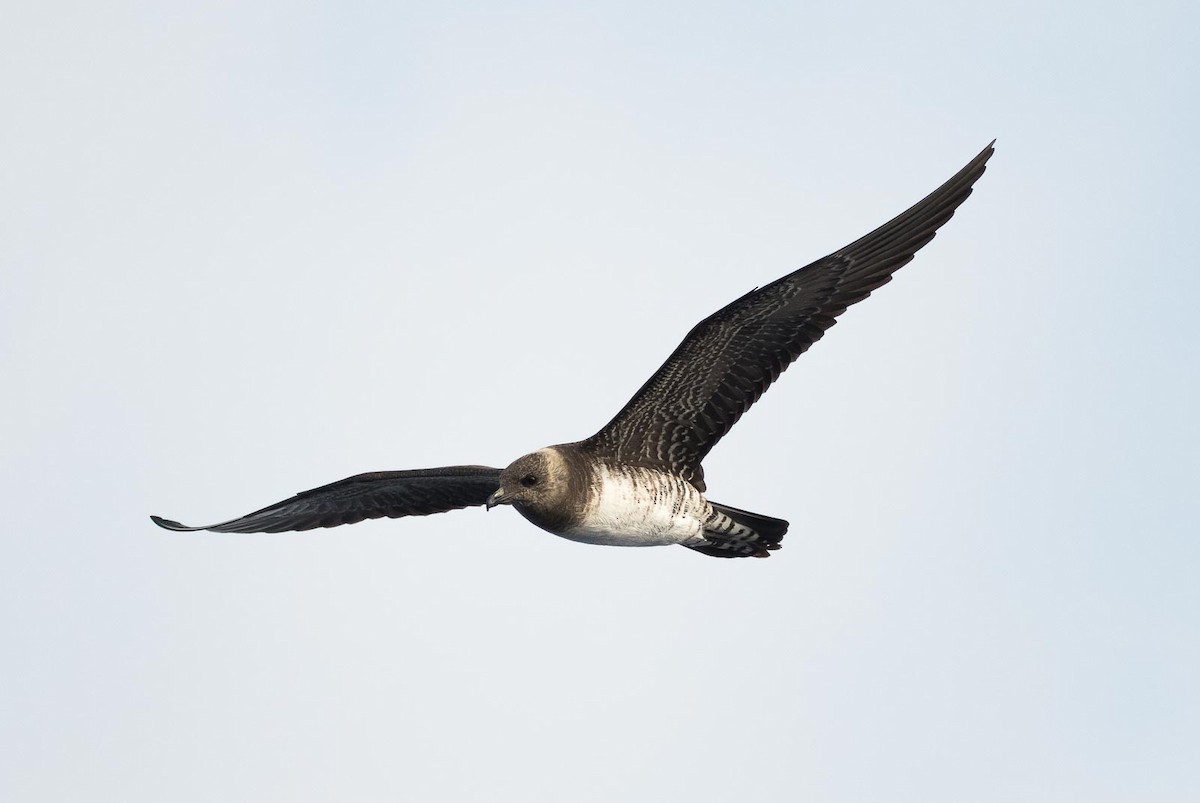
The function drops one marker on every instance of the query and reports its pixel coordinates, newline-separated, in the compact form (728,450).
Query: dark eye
(529,480)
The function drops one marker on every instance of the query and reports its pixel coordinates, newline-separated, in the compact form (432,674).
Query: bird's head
(537,481)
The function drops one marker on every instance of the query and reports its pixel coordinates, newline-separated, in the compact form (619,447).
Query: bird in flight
(639,480)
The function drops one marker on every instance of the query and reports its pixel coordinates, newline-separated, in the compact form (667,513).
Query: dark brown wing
(365,496)
(733,356)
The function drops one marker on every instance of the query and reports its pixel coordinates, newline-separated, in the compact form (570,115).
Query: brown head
(540,486)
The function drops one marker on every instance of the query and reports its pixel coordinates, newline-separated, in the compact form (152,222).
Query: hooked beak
(498,498)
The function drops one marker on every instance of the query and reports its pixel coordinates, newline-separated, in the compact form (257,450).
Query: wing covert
(393,494)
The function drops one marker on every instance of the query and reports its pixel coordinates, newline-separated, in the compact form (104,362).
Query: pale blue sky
(250,248)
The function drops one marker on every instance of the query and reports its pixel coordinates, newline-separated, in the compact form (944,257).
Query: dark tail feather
(769,529)
(770,532)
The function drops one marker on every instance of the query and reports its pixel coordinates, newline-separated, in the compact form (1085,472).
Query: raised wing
(729,359)
(366,496)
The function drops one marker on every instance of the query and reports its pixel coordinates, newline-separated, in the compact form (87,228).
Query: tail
(764,535)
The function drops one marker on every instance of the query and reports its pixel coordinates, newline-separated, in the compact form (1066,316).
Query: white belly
(641,507)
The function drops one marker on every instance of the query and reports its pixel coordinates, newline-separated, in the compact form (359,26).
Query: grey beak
(497,498)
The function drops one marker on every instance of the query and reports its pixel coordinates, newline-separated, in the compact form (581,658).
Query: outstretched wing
(729,359)
(366,496)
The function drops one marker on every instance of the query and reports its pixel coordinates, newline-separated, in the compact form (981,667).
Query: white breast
(640,507)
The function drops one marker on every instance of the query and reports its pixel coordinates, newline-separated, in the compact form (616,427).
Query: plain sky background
(247,248)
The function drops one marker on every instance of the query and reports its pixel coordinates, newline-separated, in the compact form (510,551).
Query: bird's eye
(529,480)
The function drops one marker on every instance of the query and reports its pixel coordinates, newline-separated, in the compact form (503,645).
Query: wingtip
(174,526)
(986,153)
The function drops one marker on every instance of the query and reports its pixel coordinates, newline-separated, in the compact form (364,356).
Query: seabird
(639,480)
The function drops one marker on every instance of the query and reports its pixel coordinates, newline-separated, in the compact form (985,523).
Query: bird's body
(621,505)
(626,505)
(639,480)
